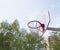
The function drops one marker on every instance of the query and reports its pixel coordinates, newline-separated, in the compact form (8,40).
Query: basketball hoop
(36,26)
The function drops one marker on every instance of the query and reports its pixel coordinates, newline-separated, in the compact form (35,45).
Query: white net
(34,31)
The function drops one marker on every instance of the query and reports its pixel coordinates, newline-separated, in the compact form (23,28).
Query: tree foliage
(12,38)
(55,41)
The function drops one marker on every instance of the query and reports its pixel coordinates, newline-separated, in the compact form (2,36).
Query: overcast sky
(23,9)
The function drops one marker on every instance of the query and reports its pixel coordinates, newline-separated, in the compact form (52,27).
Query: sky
(22,10)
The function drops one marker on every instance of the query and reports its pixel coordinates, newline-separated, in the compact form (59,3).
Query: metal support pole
(53,29)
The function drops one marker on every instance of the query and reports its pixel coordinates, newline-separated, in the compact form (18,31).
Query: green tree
(12,38)
(55,41)
(7,34)
(27,42)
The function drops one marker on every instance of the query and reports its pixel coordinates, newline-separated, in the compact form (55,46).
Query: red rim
(34,27)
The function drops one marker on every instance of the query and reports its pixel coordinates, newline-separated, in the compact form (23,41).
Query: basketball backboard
(40,23)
